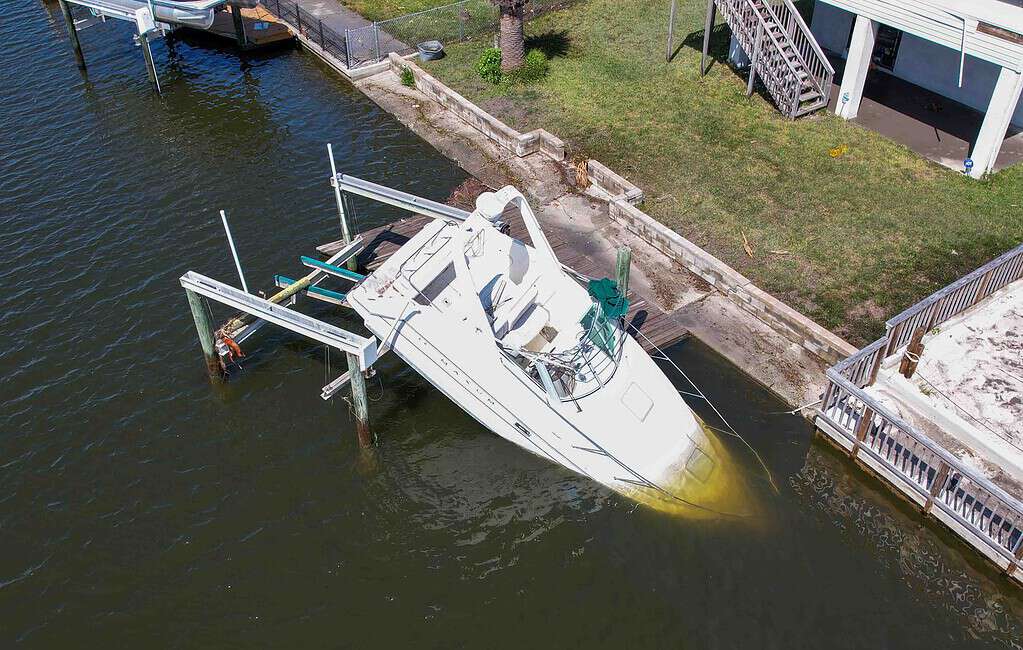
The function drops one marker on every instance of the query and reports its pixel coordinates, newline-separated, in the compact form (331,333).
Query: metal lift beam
(363,348)
(398,199)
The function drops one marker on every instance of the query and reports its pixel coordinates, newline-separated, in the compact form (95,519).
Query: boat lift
(219,344)
(152,19)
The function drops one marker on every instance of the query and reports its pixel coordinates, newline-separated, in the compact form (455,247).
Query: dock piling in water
(239,26)
(147,54)
(359,401)
(72,33)
(204,326)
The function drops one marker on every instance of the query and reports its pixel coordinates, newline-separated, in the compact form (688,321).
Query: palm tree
(513,43)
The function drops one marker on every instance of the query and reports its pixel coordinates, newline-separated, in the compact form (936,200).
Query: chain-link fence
(448,24)
(311,27)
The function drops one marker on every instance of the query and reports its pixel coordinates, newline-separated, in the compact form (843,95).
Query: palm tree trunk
(513,46)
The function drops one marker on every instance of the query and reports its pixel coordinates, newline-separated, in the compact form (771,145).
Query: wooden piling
(708,27)
(72,33)
(239,27)
(360,401)
(204,326)
(671,30)
(754,60)
(622,265)
(911,358)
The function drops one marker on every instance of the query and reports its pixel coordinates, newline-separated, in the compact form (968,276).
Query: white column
(861,49)
(996,121)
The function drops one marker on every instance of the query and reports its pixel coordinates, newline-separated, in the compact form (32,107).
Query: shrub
(535,67)
(408,78)
(489,65)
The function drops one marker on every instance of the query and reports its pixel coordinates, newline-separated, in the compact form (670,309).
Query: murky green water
(141,507)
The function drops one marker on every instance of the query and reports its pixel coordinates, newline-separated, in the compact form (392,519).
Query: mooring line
(703,396)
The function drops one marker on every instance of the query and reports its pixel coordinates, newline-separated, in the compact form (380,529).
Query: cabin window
(437,285)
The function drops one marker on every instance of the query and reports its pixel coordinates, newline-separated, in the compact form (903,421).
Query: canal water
(142,507)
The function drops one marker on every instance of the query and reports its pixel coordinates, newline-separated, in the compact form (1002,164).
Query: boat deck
(660,328)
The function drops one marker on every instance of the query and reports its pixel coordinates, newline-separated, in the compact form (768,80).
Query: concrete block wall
(612,183)
(783,319)
(521,144)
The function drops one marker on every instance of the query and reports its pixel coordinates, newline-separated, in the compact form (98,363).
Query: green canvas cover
(610,306)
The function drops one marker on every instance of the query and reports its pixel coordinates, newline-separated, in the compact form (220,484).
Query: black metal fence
(365,45)
(311,28)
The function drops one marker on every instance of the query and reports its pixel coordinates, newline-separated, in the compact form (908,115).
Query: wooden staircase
(783,53)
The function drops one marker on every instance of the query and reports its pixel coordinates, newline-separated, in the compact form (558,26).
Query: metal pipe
(234,253)
(346,235)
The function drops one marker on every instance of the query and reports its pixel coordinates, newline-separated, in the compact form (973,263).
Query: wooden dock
(262,28)
(658,328)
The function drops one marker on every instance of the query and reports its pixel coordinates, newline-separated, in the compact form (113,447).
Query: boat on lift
(541,357)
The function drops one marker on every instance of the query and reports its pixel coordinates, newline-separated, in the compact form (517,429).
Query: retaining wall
(521,144)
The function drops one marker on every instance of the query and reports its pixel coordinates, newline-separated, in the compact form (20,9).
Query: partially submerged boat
(520,344)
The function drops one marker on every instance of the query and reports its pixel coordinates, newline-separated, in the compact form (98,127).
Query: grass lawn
(384,9)
(849,241)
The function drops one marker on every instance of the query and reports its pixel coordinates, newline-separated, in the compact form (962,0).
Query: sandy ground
(967,393)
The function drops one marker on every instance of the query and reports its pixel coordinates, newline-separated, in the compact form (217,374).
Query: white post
(230,241)
(996,121)
(861,49)
(346,235)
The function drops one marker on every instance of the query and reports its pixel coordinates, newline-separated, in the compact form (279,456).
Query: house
(963,55)
(969,51)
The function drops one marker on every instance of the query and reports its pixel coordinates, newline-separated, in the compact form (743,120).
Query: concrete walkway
(366,45)
(333,14)
(936,127)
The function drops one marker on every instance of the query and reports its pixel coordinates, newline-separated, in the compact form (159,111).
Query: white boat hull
(632,432)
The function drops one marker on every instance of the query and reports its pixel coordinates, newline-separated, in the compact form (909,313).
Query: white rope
(701,395)
(798,410)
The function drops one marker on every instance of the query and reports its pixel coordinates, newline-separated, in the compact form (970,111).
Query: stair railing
(801,39)
(779,74)
(751,20)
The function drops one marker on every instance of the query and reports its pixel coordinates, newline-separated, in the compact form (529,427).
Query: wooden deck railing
(955,298)
(941,480)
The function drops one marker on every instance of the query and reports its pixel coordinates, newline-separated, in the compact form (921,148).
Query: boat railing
(585,355)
